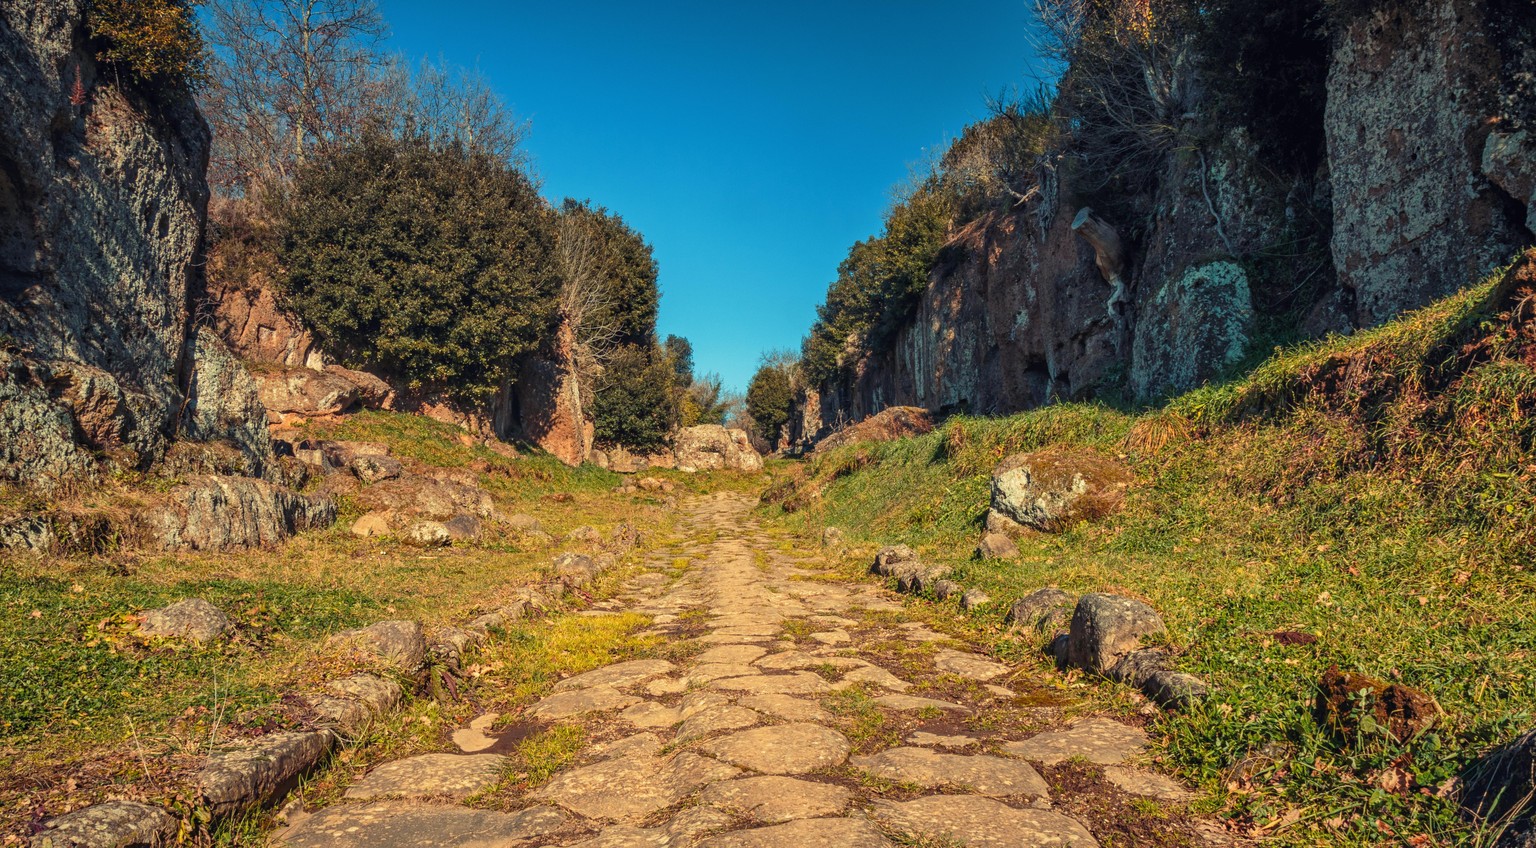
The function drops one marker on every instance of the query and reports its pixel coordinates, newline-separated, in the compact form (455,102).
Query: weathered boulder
(1055,488)
(575,570)
(216,513)
(525,524)
(436,500)
(463,527)
(373,524)
(192,619)
(1197,323)
(428,534)
(350,703)
(372,391)
(890,557)
(111,824)
(224,405)
(888,425)
(1345,698)
(372,469)
(833,537)
(710,447)
(306,392)
(974,599)
(1043,610)
(397,644)
(260,771)
(996,546)
(1107,627)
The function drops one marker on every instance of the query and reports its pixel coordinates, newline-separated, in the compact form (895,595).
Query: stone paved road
(812,713)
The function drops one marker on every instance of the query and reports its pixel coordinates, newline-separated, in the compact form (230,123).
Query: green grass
(1374,491)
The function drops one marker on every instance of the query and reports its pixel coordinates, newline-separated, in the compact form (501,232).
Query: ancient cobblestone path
(809,712)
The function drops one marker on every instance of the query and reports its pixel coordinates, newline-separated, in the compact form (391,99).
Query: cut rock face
(811,833)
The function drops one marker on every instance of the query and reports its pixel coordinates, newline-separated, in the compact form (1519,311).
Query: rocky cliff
(102,210)
(1426,182)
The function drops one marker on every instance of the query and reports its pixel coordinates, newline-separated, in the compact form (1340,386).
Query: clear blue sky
(752,143)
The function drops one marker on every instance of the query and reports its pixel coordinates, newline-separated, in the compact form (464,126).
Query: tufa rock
(1043,610)
(218,513)
(575,570)
(974,599)
(711,447)
(192,619)
(1345,699)
(397,644)
(996,546)
(1107,627)
(306,393)
(1053,489)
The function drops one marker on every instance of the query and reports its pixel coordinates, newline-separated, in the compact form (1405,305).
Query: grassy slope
(1375,491)
(85,701)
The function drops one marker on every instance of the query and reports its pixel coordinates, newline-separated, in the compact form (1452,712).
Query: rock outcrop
(710,447)
(102,210)
(217,513)
(1411,181)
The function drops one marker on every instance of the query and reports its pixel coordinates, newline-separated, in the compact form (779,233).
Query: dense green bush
(635,404)
(769,398)
(150,41)
(432,263)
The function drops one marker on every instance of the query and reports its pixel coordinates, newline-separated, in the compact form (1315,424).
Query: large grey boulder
(306,392)
(223,405)
(193,619)
(710,447)
(397,644)
(575,570)
(217,513)
(1054,489)
(1106,628)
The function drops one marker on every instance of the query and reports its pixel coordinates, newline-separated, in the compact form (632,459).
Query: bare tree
(288,74)
(450,105)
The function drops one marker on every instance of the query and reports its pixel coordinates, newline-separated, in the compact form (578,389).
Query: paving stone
(638,745)
(782,749)
(665,686)
(968,665)
(803,683)
(631,788)
(876,675)
(912,703)
(395,823)
(705,672)
(832,637)
(683,829)
(717,720)
(651,714)
(593,700)
(810,833)
(474,738)
(430,775)
(1147,783)
(731,654)
(258,771)
(773,799)
(986,775)
(974,822)
(1098,740)
(618,675)
(936,740)
(786,707)
(796,660)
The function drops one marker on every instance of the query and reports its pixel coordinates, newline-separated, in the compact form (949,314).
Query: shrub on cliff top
(150,41)
(433,263)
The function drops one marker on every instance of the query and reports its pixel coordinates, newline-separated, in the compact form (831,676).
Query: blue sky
(750,143)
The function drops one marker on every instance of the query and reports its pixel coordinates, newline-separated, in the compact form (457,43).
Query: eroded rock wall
(102,210)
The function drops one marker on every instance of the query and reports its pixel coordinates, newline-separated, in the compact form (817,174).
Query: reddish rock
(897,422)
(1344,698)
(549,405)
(250,320)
